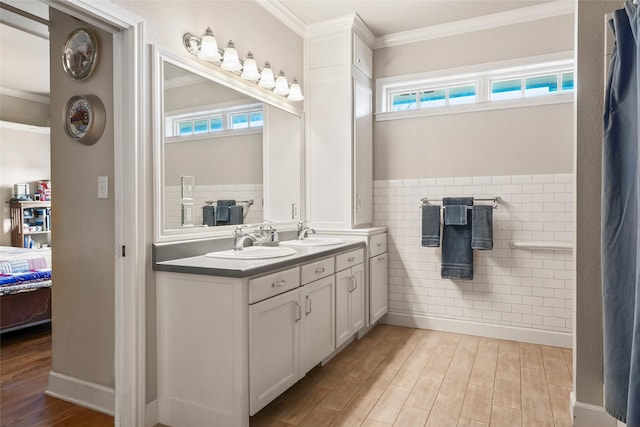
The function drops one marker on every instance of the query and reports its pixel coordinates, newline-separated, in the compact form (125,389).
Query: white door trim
(129,176)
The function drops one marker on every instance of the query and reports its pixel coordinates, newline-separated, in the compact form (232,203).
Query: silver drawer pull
(279,284)
(351,259)
(308,308)
(380,245)
(381,258)
(298,312)
(319,270)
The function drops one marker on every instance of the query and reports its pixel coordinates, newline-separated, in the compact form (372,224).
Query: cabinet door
(363,150)
(356,300)
(378,287)
(273,348)
(317,327)
(344,285)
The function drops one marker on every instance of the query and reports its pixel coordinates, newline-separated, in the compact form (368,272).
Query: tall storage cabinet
(339,131)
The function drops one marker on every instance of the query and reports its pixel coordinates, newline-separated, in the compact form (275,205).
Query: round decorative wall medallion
(80,54)
(84,118)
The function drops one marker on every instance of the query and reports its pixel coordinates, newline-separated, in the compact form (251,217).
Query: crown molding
(330,26)
(29,96)
(277,9)
(516,16)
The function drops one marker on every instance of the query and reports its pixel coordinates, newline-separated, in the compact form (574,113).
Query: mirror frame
(226,79)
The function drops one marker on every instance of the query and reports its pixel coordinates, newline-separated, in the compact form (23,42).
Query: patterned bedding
(24,269)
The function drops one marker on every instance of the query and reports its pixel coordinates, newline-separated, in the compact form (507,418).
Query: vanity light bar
(206,47)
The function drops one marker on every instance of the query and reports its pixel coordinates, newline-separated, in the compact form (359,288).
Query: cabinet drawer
(317,270)
(273,284)
(378,245)
(349,259)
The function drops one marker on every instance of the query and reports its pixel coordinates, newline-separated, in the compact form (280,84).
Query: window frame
(481,76)
(226,111)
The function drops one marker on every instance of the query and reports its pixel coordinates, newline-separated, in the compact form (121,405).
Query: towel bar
(246,202)
(554,246)
(495,200)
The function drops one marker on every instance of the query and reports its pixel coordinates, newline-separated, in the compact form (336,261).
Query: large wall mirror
(225,153)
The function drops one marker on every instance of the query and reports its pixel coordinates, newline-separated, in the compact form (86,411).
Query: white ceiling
(384,17)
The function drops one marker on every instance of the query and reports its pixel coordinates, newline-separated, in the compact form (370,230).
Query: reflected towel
(455,215)
(482,227)
(457,255)
(222,211)
(430,226)
(236,215)
(208,216)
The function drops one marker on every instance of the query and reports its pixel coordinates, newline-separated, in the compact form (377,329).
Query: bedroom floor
(405,377)
(25,362)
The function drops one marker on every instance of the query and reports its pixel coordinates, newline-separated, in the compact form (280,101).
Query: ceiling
(384,17)
(25,55)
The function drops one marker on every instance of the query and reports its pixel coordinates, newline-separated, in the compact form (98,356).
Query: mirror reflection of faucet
(304,230)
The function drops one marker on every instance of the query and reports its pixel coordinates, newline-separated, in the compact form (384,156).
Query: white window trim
(482,74)
(225,110)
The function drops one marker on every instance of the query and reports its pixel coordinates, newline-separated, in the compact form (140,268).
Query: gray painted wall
(18,110)
(82,225)
(528,140)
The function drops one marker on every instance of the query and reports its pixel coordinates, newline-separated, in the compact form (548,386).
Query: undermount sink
(253,252)
(314,241)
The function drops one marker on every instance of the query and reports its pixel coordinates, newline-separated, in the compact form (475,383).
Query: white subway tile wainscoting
(523,288)
(202,193)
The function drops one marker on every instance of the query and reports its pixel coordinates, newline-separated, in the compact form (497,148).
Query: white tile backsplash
(515,287)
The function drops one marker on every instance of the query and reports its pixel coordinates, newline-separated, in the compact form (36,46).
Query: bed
(25,287)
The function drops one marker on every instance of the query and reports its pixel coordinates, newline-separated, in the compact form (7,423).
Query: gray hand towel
(457,256)
(236,215)
(455,215)
(208,215)
(430,226)
(222,211)
(482,227)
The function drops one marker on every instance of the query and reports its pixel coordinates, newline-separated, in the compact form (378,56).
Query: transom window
(532,81)
(214,121)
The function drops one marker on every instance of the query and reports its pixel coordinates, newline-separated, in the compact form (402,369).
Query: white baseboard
(152,414)
(80,392)
(587,415)
(534,336)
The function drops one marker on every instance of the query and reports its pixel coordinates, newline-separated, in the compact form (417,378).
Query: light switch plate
(103,187)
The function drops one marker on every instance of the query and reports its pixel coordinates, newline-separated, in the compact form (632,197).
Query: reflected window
(244,118)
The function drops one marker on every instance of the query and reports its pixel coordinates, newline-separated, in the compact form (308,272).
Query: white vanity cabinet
(274,336)
(338,89)
(378,277)
(289,333)
(350,290)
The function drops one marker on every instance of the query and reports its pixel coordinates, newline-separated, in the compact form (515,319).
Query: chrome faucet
(303,230)
(240,237)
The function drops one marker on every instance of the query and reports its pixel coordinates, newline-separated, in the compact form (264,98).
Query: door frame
(129,183)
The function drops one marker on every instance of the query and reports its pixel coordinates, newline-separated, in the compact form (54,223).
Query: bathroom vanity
(233,334)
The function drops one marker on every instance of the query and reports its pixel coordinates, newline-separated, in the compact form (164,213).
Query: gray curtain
(620,221)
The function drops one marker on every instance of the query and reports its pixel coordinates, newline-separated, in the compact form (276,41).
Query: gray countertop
(246,268)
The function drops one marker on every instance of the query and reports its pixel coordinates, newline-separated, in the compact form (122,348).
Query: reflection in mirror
(224,153)
(212,139)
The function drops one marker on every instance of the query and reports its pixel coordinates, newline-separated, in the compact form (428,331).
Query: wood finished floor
(25,362)
(406,377)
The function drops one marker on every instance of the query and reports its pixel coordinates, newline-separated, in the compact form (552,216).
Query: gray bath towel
(222,211)
(208,215)
(457,255)
(482,227)
(455,215)
(430,226)
(236,215)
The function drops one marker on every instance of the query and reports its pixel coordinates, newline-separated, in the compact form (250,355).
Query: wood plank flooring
(25,362)
(406,377)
